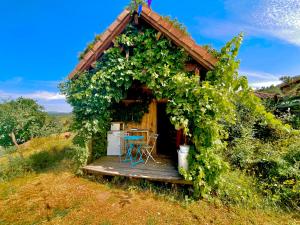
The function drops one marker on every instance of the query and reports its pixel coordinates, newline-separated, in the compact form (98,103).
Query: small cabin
(155,118)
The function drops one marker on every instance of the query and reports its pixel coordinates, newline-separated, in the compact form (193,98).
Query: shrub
(17,166)
(275,166)
(238,188)
(99,145)
(80,157)
(51,126)
(43,160)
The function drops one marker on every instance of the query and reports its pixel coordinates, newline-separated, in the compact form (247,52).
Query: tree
(286,79)
(20,120)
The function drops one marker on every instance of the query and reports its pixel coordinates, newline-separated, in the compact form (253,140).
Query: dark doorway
(166,142)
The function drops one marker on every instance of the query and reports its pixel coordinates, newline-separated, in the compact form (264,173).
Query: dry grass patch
(56,196)
(62,198)
(50,144)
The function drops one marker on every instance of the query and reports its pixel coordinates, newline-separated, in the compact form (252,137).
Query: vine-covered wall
(201,109)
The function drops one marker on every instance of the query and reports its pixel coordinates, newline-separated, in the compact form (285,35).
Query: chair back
(123,143)
(153,139)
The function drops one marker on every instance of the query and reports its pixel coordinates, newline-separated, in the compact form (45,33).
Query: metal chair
(148,148)
(123,147)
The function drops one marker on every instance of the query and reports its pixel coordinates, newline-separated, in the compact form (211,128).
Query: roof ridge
(179,37)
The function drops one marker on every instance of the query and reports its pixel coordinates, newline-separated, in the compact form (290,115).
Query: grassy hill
(48,192)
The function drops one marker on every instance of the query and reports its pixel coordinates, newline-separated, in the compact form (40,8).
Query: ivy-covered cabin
(133,46)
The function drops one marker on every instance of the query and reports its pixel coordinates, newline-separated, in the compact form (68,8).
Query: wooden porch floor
(163,170)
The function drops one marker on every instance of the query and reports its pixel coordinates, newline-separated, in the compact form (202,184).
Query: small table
(139,132)
(129,157)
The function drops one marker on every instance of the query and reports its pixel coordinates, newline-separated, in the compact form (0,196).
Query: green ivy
(200,109)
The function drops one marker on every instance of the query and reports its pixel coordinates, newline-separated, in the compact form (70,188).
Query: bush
(275,166)
(51,126)
(17,166)
(44,160)
(238,188)
(80,157)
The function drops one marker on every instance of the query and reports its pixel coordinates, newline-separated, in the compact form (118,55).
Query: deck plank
(164,170)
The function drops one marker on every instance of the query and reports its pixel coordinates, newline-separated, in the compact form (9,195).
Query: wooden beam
(158,35)
(197,71)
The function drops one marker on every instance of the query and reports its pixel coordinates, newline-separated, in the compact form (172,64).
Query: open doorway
(166,143)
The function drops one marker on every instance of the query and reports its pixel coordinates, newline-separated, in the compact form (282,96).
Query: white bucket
(183,157)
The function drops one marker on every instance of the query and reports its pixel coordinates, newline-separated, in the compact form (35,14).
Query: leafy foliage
(133,5)
(274,164)
(268,156)
(80,156)
(90,46)
(176,24)
(23,119)
(286,102)
(204,110)
(237,188)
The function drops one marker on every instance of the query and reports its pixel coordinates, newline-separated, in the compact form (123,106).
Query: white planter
(183,153)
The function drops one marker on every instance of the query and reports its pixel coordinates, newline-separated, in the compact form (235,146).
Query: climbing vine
(199,108)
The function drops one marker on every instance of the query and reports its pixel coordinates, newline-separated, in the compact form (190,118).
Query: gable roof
(198,53)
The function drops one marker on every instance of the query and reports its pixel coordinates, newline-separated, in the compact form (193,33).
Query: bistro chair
(123,147)
(148,148)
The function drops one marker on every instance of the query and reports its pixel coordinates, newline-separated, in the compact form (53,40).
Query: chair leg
(149,156)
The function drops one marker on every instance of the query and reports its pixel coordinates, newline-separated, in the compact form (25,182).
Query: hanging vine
(200,109)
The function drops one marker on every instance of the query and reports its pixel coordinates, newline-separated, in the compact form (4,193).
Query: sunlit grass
(62,198)
(57,196)
(50,144)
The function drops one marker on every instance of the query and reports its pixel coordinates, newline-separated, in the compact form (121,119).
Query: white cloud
(56,106)
(48,97)
(274,18)
(51,101)
(258,79)
(259,75)
(38,95)
(44,95)
(280,18)
(19,82)
(257,85)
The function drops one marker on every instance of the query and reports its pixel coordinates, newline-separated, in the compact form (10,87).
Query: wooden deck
(163,170)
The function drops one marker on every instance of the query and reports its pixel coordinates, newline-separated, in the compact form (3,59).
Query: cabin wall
(149,120)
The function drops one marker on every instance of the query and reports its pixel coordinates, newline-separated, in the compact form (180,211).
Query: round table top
(133,138)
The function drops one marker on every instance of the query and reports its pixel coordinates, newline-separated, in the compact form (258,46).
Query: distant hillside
(290,87)
(59,114)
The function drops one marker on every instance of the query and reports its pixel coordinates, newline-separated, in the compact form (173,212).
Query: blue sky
(40,39)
